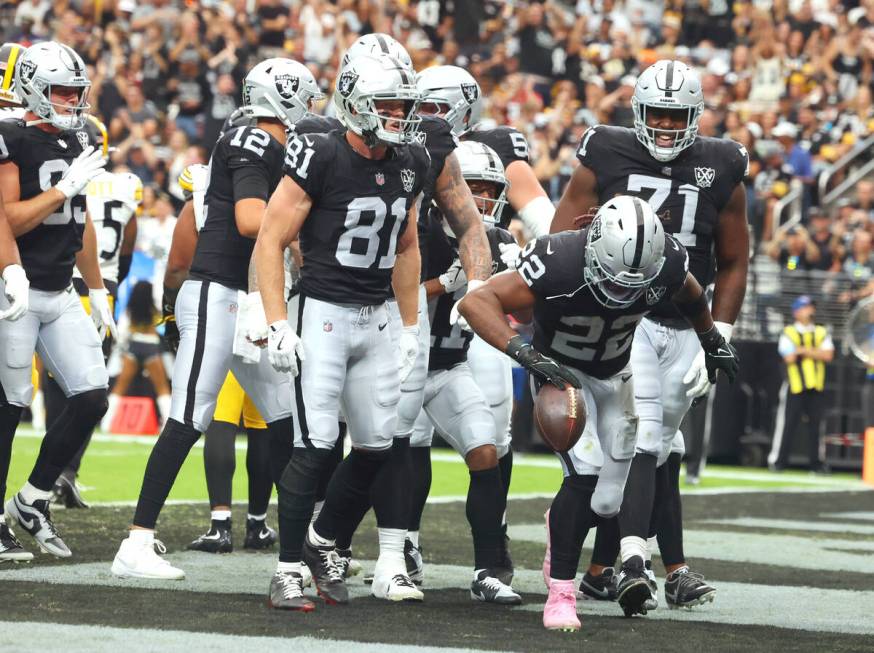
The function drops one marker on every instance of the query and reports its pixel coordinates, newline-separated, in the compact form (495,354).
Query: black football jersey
(246,163)
(570,324)
(359,208)
(313,123)
(449,342)
(48,252)
(509,144)
(687,193)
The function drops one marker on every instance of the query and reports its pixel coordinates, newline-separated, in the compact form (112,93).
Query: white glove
(17,292)
(83,169)
(454,316)
(284,347)
(454,278)
(510,253)
(696,377)
(256,320)
(408,349)
(101,314)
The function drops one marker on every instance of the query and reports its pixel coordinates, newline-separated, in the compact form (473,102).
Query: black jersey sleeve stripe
(638,246)
(197,360)
(301,414)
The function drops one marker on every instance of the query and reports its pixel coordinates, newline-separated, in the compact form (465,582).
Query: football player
(696,185)
(245,167)
(588,290)
(45,166)
(352,197)
(454,404)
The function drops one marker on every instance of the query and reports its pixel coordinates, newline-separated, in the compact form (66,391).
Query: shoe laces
(690,579)
(46,517)
(290,584)
(331,564)
(158,548)
(492,583)
(402,580)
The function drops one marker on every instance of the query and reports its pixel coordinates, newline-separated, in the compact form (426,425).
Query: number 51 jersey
(359,209)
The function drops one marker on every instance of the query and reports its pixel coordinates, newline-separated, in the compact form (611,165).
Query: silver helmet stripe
(669,80)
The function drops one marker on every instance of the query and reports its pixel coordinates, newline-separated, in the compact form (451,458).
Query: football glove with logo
(543,367)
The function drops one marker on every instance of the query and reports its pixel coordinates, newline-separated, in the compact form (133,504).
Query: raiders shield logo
(346,83)
(26,70)
(470,93)
(408,177)
(83,139)
(286,86)
(654,295)
(704,177)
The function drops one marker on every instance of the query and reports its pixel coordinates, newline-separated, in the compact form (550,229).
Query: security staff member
(805,347)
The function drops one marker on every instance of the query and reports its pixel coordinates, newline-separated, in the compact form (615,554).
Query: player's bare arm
(126,252)
(528,198)
(405,275)
(732,257)
(580,196)
(286,212)
(86,258)
(248,213)
(26,215)
(181,248)
(8,248)
(485,308)
(455,201)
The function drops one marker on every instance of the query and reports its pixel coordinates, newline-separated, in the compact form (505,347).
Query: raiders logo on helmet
(286,85)
(346,83)
(26,70)
(470,92)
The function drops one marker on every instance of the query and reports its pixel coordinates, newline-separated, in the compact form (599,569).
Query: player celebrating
(696,183)
(245,167)
(352,197)
(45,165)
(589,289)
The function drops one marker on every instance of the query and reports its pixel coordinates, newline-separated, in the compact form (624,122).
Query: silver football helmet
(375,44)
(625,249)
(667,84)
(368,80)
(479,162)
(451,93)
(279,88)
(48,64)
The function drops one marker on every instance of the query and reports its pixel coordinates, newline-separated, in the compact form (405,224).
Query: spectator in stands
(824,240)
(859,267)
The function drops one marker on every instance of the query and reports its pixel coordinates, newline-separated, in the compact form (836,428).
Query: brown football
(560,416)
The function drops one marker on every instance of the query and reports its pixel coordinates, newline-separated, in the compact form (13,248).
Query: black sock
(636,510)
(219,462)
(390,493)
(421,484)
(348,490)
(335,459)
(66,436)
(258,470)
(658,500)
(9,417)
(570,518)
(53,397)
(505,464)
(606,547)
(297,496)
(281,436)
(670,527)
(485,510)
(165,461)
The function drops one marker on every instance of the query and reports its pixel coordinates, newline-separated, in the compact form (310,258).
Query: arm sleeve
(250,181)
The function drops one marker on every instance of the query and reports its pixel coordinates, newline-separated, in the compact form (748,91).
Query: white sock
(413,536)
(317,540)
(632,546)
(652,544)
(141,536)
(220,515)
(391,547)
(316,510)
(256,517)
(285,567)
(30,494)
(112,403)
(164,402)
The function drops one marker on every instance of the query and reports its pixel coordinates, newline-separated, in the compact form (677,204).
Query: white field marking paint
(861,516)
(815,553)
(100,639)
(797,525)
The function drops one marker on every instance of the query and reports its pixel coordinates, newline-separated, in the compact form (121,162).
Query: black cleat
(10,548)
(259,535)
(415,565)
(598,588)
(217,539)
(66,493)
(348,565)
(505,571)
(324,563)
(286,593)
(488,588)
(36,519)
(632,589)
(684,589)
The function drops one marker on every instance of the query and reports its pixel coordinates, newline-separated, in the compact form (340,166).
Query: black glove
(719,355)
(543,367)
(168,309)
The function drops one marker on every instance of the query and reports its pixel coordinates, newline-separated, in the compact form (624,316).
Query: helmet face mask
(43,70)
(281,89)
(482,169)
(451,93)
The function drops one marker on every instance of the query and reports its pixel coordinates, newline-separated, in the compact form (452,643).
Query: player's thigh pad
(229,403)
(493,373)
(683,347)
(648,380)
(586,456)
(268,389)
(423,431)
(71,348)
(459,412)
(206,315)
(17,345)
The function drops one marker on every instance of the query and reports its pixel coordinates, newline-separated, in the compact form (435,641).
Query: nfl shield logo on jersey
(704,177)
(83,139)
(408,177)
(380,179)
(654,295)
(469,91)
(346,83)
(286,85)
(327,326)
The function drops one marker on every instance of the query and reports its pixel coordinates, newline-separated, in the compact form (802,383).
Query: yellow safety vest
(810,373)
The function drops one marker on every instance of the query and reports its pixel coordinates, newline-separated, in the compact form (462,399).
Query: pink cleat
(560,611)
(547,557)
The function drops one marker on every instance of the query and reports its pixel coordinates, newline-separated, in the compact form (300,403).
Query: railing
(826,197)
(791,201)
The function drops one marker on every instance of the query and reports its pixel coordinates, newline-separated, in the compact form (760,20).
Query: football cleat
(653,601)
(632,589)
(415,564)
(684,589)
(560,611)
(394,587)
(505,571)
(598,588)
(259,535)
(36,519)
(348,565)
(547,555)
(66,493)
(140,559)
(286,593)
(324,565)
(217,539)
(10,548)
(488,588)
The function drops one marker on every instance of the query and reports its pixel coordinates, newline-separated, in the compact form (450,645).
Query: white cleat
(36,519)
(395,587)
(138,559)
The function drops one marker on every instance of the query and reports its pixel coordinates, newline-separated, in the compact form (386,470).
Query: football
(560,416)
